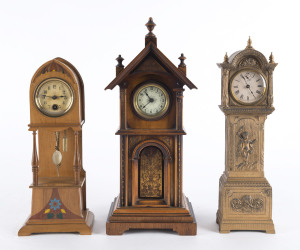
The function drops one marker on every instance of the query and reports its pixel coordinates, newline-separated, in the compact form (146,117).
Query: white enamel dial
(248,87)
(54,97)
(151,101)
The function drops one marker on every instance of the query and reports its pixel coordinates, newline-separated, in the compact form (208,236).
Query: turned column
(35,161)
(179,99)
(76,162)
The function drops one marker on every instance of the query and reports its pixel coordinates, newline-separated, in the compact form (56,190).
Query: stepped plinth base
(178,219)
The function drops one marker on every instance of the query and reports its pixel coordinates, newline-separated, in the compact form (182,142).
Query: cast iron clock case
(151,96)
(245,195)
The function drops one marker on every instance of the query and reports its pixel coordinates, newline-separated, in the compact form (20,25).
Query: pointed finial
(226,58)
(271,58)
(150,26)
(150,37)
(120,59)
(119,66)
(182,65)
(182,58)
(249,43)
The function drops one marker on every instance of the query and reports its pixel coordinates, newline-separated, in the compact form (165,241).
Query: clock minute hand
(251,91)
(247,85)
(145,105)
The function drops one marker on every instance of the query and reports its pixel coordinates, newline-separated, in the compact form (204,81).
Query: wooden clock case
(142,140)
(245,195)
(67,192)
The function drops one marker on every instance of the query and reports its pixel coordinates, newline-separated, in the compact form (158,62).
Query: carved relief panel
(251,202)
(245,138)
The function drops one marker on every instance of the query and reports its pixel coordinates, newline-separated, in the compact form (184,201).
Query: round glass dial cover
(54,97)
(248,86)
(151,101)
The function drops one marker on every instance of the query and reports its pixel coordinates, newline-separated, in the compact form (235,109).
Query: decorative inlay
(247,204)
(55,209)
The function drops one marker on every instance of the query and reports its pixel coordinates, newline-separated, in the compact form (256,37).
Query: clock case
(245,195)
(58,202)
(151,194)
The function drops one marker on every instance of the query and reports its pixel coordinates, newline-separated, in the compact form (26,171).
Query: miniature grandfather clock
(59,184)
(151,99)
(245,195)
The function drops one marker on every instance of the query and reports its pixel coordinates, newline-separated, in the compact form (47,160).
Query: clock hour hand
(147,94)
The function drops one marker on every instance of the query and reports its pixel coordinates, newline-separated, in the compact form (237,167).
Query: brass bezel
(248,103)
(140,112)
(38,104)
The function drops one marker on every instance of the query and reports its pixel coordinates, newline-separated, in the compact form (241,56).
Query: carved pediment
(150,64)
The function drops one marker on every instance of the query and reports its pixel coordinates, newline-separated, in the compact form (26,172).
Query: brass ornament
(247,204)
(151,173)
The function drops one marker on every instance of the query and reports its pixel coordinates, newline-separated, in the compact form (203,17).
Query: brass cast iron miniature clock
(151,96)
(59,182)
(245,196)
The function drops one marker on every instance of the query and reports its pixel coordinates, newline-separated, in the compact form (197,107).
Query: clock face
(248,87)
(151,101)
(54,97)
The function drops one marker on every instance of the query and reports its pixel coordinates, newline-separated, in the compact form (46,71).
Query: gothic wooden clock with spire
(245,195)
(151,96)
(59,184)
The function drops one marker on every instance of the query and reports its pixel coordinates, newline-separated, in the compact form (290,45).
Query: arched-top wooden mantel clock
(245,196)
(59,184)
(151,96)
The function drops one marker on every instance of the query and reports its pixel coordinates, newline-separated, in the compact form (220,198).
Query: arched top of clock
(64,70)
(249,57)
(151,51)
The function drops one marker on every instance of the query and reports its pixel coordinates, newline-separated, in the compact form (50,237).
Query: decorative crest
(271,58)
(226,58)
(249,43)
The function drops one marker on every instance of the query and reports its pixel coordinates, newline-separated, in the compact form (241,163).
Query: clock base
(245,203)
(225,226)
(179,219)
(83,226)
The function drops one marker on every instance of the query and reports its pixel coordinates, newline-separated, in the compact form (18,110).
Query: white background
(91,34)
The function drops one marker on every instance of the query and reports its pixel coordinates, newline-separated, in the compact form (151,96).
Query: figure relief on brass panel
(245,148)
(151,173)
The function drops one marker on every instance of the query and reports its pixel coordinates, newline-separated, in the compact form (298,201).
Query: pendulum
(57,156)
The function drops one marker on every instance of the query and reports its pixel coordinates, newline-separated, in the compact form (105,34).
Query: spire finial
(150,37)
(119,66)
(120,59)
(271,58)
(226,58)
(150,26)
(182,58)
(249,43)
